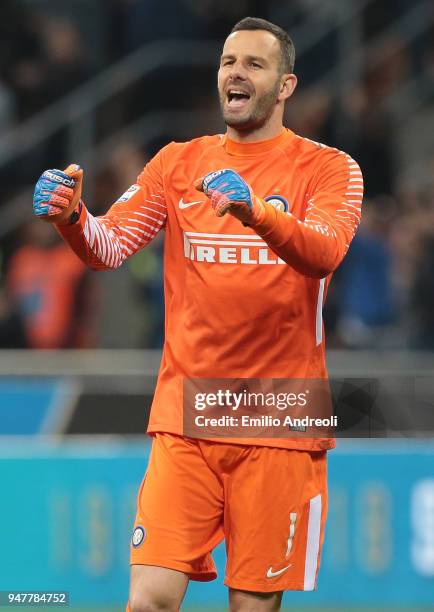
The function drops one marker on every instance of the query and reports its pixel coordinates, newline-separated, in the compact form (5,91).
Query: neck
(271,128)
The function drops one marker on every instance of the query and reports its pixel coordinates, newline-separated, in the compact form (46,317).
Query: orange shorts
(269,504)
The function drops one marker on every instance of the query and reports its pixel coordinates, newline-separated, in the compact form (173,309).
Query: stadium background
(106,84)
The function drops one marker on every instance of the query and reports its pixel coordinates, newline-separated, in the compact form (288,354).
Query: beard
(254,117)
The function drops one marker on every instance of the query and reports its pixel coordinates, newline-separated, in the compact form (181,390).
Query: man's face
(249,78)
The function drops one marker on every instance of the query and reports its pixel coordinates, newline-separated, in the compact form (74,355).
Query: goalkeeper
(256,220)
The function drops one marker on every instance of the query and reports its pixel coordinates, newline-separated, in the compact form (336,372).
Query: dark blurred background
(106,83)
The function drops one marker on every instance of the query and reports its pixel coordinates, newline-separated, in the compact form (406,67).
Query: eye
(227,62)
(256,65)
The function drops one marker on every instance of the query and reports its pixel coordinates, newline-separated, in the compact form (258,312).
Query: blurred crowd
(377,104)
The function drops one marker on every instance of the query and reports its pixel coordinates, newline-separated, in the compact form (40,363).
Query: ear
(287,86)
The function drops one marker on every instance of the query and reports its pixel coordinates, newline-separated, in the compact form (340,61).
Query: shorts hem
(300,444)
(200,576)
(265,587)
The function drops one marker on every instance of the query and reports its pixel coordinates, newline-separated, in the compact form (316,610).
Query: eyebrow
(254,58)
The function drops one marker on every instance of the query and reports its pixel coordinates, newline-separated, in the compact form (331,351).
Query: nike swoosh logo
(271,574)
(183,204)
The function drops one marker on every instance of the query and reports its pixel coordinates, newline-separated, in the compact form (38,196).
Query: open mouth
(237,98)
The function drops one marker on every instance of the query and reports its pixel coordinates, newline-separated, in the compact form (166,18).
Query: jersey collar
(256,148)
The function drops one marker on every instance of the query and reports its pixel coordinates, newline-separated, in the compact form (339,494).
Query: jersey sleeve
(316,245)
(104,242)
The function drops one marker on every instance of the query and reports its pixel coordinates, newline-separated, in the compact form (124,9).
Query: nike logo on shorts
(183,204)
(271,574)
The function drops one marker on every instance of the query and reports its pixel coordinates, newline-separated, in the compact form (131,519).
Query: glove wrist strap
(76,214)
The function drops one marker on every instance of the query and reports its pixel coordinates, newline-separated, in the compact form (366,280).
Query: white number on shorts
(292,520)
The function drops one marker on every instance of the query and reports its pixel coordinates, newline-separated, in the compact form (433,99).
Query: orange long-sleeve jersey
(240,303)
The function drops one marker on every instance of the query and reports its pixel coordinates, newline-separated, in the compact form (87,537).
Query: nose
(237,71)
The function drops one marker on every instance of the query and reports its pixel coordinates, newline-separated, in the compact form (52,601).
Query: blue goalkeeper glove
(229,193)
(57,194)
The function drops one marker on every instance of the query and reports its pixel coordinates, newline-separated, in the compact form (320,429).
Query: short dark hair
(287,49)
